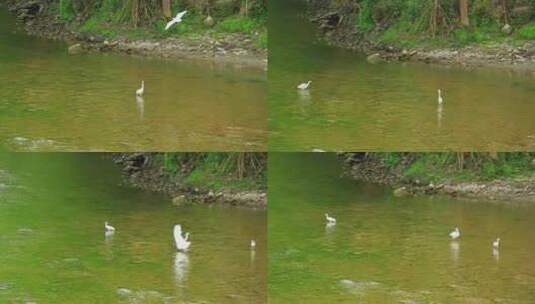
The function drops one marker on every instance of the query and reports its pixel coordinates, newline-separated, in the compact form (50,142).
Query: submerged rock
(75,49)
(124,291)
(179,200)
(401,192)
(375,58)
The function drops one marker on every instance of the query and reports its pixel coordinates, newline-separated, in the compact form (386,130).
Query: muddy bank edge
(368,169)
(141,171)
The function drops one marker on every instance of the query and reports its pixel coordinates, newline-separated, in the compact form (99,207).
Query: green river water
(389,250)
(53,248)
(50,101)
(355,105)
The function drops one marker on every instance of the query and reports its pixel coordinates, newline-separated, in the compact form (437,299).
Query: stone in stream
(124,291)
(75,49)
(375,58)
(179,200)
(401,192)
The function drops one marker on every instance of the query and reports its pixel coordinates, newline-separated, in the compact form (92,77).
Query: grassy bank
(217,171)
(425,168)
(440,23)
(147,19)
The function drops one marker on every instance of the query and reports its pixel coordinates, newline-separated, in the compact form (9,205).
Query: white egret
(455,234)
(141,90)
(496,243)
(304,86)
(182,243)
(108,227)
(330,220)
(177,19)
(253,244)
(440,99)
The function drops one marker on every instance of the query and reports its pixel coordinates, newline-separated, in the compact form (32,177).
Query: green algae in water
(385,249)
(54,250)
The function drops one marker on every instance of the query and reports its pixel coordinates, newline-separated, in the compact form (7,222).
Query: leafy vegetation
(238,171)
(430,167)
(147,18)
(442,22)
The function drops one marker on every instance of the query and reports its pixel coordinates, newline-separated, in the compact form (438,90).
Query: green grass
(214,171)
(206,178)
(111,20)
(527,32)
(65,9)
(262,40)
(235,24)
(432,167)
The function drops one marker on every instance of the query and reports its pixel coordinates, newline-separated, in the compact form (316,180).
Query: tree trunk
(504,11)
(433,21)
(166,8)
(463,12)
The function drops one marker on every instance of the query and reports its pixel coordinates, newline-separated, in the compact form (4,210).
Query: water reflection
(439,116)
(454,248)
(140,102)
(496,254)
(304,96)
(181,267)
(253,255)
(108,236)
(329,227)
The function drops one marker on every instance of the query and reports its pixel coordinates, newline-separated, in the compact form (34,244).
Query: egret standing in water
(182,243)
(304,86)
(108,227)
(440,99)
(455,234)
(330,220)
(141,90)
(177,19)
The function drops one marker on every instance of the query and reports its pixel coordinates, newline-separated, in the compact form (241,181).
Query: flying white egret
(440,99)
(455,234)
(496,243)
(141,90)
(182,243)
(330,220)
(108,227)
(304,86)
(177,19)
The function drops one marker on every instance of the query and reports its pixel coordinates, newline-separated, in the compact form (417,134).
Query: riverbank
(337,27)
(234,48)
(405,175)
(145,171)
